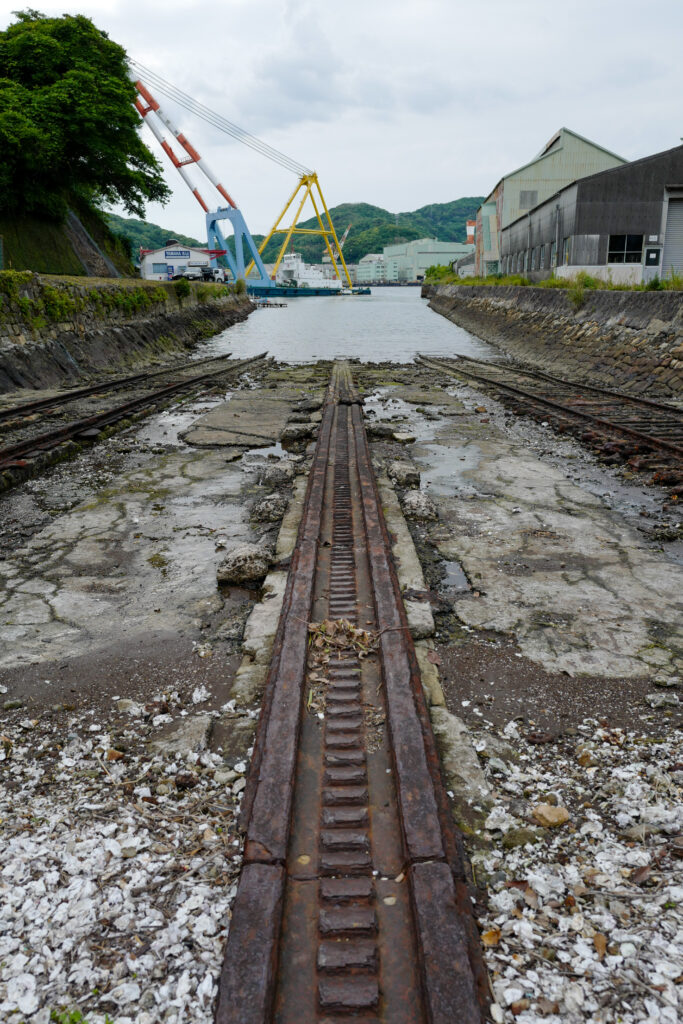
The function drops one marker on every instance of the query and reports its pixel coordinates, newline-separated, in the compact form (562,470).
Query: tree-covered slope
(144,235)
(373,227)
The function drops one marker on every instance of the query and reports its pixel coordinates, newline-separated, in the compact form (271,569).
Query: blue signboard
(177,254)
(169,272)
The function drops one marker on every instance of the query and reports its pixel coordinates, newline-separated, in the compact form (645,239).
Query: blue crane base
(237,263)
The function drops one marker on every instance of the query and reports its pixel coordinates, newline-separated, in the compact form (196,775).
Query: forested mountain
(371,229)
(144,235)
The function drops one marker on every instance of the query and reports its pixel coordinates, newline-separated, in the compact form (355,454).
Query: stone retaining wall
(629,340)
(56,330)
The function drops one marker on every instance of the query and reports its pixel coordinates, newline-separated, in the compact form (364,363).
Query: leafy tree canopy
(68,128)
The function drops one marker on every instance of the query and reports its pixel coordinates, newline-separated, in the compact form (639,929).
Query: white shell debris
(585,921)
(118,869)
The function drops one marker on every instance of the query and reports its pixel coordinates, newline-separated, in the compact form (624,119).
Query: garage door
(673,240)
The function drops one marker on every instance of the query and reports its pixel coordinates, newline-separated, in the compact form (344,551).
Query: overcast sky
(399,103)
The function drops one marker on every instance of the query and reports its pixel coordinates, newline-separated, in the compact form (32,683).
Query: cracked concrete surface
(573,583)
(546,537)
(139,561)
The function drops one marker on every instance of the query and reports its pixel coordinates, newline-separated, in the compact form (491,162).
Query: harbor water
(390,325)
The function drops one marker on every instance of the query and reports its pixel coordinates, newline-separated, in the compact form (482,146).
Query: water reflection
(392,324)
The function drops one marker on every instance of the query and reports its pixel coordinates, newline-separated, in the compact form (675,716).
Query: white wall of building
(617,273)
(164,264)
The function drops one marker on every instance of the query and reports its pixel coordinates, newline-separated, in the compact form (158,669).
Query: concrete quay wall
(623,339)
(56,330)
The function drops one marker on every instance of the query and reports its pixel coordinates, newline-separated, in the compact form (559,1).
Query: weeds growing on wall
(38,303)
(182,289)
(28,299)
(576,285)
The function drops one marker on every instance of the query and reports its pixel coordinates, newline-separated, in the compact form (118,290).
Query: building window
(553,254)
(565,251)
(541,258)
(159,268)
(625,249)
(527,199)
(533,259)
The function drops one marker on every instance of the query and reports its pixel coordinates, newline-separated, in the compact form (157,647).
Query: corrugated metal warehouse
(566,157)
(625,224)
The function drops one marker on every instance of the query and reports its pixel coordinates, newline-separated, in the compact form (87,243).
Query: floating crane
(245,247)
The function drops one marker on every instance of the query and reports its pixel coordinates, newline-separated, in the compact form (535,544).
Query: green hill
(371,229)
(143,235)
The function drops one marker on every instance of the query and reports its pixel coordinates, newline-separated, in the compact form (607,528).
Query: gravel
(118,867)
(584,919)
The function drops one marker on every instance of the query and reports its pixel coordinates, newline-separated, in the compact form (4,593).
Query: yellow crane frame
(307,182)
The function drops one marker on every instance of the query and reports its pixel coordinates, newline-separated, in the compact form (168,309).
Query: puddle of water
(455,578)
(165,427)
(447,468)
(258,454)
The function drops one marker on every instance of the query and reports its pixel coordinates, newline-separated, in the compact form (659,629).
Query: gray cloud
(396,103)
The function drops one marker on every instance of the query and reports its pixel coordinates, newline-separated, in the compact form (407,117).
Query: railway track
(656,426)
(352,902)
(88,429)
(25,409)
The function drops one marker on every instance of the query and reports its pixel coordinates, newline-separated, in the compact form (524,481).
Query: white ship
(294,273)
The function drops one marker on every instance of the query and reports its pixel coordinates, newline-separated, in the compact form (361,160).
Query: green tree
(68,128)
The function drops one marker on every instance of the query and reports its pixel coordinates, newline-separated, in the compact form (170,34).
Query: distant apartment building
(408,261)
(566,158)
(624,224)
(371,269)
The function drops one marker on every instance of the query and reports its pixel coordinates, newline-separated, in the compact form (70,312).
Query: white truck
(204,272)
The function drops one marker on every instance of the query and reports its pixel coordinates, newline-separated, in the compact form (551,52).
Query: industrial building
(407,262)
(623,224)
(464,267)
(565,158)
(370,269)
(171,261)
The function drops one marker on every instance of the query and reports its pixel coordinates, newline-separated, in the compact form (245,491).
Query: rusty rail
(352,900)
(24,409)
(611,410)
(89,427)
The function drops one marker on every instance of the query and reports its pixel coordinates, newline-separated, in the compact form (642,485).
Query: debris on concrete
(403,473)
(269,509)
(417,505)
(247,563)
(189,736)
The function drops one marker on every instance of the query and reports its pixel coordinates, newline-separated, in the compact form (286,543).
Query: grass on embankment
(39,301)
(576,286)
(582,280)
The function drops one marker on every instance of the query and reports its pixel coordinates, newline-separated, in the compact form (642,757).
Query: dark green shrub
(182,289)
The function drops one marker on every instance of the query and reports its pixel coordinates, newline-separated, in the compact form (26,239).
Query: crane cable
(217,120)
